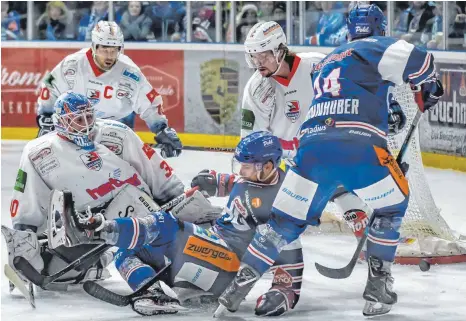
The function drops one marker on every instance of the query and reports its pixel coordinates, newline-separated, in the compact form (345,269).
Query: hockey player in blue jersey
(147,244)
(344,142)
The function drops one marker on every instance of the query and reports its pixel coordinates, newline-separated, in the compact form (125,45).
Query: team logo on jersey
(256,202)
(93,95)
(282,277)
(92,161)
(115,147)
(123,94)
(220,88)
(292,110)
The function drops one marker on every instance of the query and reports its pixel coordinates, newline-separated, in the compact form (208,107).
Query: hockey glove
(45,124)
(396,118)
(169,142)
(432,91)
(214,184)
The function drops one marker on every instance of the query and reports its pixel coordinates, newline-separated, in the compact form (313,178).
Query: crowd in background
(419,22)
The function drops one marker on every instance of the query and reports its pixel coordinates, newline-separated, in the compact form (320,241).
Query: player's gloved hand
(432,91)
(169,142)
(45,124)
(214,184)
(396,118)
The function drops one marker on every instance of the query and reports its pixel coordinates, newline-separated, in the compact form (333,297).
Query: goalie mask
(253,152)
(74,119)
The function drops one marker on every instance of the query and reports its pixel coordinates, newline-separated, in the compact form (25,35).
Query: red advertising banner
(23,70)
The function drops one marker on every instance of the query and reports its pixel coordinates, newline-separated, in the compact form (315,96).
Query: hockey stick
(344,272)
(23,265)
(99,292)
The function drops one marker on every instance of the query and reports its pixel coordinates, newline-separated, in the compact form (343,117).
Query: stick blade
(341,273)
(19,284)
(22,265)
(101,293)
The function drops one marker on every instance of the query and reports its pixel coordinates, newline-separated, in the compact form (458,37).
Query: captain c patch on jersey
(292,110)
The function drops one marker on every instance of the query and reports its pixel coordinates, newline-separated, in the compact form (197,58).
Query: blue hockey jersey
(353,87)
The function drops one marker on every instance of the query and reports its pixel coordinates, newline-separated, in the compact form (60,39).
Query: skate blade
(172,307)
(375,308)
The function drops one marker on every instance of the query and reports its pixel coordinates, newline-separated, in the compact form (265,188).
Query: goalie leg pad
(196,209)
(25,244)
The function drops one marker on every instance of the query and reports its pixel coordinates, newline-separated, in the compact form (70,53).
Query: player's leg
(286,285)
(383,186)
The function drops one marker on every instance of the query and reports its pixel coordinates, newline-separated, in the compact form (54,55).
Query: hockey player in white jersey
(103,163)
(114,85)
(277,97)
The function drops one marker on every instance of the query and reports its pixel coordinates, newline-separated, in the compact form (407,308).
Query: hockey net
(424,232)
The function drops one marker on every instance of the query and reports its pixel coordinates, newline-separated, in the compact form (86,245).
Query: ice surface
(439,294)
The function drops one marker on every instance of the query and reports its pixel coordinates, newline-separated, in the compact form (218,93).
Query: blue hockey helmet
(74,118)
(365,21)
(257,149)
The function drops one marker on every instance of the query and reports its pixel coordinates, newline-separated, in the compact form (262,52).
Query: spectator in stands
(413,21)
(10,23)
(279,14)
(245,19)
(55,22)
(331,29)
(134,24)
(99,11)
(167,19)
(203,23)
(265,12)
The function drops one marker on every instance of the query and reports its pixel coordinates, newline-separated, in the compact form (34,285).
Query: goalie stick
(344,272)
(19,284)
(23,265)
(99,292)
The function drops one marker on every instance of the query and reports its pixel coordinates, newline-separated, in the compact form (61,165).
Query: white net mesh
(424,231)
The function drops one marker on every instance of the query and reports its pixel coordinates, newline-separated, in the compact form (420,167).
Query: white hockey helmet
(264,36)
(107,33)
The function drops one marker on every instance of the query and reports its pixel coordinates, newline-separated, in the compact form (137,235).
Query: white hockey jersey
(115,93)
(280,105)
(94,177)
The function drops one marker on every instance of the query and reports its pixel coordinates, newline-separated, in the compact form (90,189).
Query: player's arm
(257,105)
(402,62)
(155,171)
(53,85)
(149,106)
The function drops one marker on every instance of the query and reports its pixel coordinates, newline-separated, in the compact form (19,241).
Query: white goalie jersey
(115,94)
(94,177)
(280,105)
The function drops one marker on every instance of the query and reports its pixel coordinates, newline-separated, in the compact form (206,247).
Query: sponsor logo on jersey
(213,254)
(290,92)
(116,148)
(361,133)
(41,154)
(21,179)
(148,150)
(383,195)
(330,122)
(92,161)
(95,82)
(220,88)
(292,110)
(256,202)
(312,130)
(240,207)
(114,136)
(294,195)
(333,57)
(48,166)
(120,94)
(93,95)
(14,207)
(268,142)
(111,185)
(247,119)
(282,277)
(131,75)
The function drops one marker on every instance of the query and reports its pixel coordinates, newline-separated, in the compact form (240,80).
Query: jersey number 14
(331,84)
